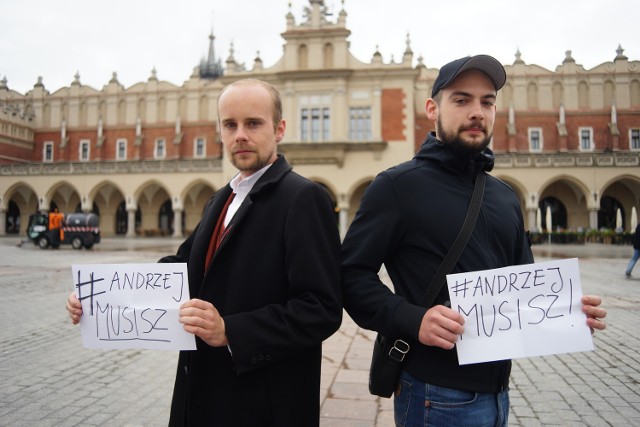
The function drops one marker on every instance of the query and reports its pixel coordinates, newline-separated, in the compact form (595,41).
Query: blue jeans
(419,404)
(632,261)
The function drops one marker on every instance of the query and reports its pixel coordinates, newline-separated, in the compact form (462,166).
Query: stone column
(531,219)
(177,222)
(343,218)
(131,222)
(593,218)
(3,222)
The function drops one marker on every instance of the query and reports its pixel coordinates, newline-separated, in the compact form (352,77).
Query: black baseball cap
(485,63)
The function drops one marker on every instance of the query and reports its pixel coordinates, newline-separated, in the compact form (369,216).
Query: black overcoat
(275,281)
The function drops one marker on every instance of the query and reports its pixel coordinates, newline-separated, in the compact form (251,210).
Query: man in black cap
(408,219)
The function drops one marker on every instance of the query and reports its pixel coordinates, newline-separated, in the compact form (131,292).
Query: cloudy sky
(57,38)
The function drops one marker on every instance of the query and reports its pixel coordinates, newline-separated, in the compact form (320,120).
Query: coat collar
(275,173)
(271,177)
(434,149)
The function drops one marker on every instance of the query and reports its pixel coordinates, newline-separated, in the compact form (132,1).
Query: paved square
(48,379)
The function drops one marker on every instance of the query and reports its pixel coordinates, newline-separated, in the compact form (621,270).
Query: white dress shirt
(241,187)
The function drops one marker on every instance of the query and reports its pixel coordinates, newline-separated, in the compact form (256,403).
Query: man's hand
(74,307)
(595,314)
(441,327)
(202,319)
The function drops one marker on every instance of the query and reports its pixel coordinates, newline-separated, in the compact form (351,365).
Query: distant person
(264,275)
(636,252)
(408,219)
(56,220)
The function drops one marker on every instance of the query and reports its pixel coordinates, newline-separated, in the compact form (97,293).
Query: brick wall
(393,117)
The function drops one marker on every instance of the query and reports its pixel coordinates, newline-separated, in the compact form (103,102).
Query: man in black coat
(408,219)
(264,280)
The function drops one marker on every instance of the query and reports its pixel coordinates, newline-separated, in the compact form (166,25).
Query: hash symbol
(92,292)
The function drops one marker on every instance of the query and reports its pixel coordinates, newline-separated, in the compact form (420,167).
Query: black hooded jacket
(409,217)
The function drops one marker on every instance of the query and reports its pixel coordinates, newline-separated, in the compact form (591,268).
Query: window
(159,152)
(199,147)
(634,139)
(315,118)
(47,152)
(121,149)
(315,124)
(586,139)
(535,139)
(360,123)
(84,150)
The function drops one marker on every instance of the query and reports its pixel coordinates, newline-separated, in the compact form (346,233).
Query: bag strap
(459,244)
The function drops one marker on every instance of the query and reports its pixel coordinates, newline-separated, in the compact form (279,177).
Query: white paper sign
(132,305)
(520,311)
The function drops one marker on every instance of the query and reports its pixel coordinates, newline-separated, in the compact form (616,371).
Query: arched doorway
(12,225)
(608,211)
(165,218)
(121,219)
(558,213)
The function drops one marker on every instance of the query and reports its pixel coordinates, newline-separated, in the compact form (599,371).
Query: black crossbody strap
(459,244)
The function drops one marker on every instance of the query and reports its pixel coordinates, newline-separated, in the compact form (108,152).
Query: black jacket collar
(436,150)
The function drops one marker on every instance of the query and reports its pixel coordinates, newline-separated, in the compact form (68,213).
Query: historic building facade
(148,157)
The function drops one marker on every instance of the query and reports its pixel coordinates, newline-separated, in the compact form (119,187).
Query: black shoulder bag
(389,354)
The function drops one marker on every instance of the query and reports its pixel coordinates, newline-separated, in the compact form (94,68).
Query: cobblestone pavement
(48,379)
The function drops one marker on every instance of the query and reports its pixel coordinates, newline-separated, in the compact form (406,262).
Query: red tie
(218,233)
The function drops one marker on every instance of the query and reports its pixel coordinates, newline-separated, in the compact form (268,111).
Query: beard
(251,161)
(249,165)
(461,147)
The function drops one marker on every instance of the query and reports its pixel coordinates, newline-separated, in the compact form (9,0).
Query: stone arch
(26,200)
(574,196)
(625,189)
(194,198)
(108,197)
(65,196)
(150,197)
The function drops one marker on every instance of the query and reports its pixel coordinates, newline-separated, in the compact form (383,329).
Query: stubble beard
(459,145)
(249,165)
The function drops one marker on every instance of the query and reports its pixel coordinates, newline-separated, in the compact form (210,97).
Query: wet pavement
(48,379)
